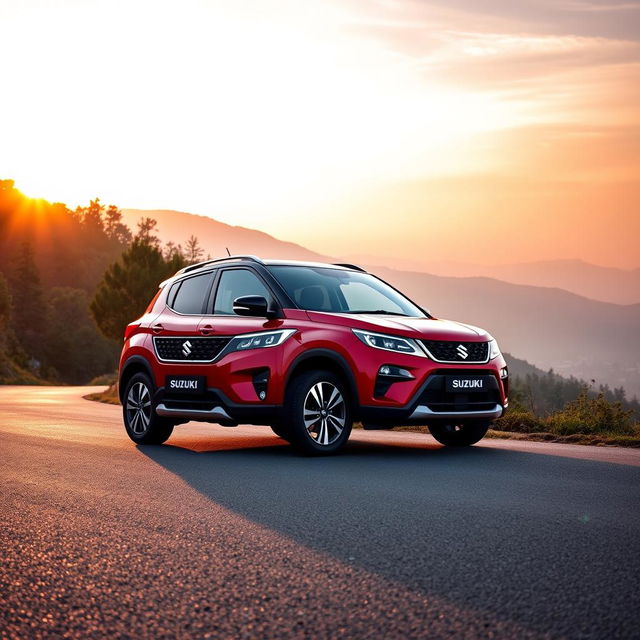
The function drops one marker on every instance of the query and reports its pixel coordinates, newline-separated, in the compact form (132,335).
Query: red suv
(306,348)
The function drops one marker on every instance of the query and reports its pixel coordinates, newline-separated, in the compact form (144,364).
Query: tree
(129,283)
(193,250)
(29,310)
(114,227)
(5,312)
(146,232)
(75,356)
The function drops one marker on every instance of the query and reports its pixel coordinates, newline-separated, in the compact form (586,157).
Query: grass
(599,440)
(108,396)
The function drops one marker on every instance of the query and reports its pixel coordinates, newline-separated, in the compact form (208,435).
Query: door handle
(206,329)
(157,328)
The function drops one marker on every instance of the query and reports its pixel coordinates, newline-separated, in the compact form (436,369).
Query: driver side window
(235,283)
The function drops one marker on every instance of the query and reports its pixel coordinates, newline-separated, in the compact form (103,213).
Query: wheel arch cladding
(135,364)
(325,360)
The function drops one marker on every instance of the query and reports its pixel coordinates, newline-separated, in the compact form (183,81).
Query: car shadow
(493,529)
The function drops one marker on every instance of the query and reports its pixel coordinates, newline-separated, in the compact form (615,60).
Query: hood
(424,328)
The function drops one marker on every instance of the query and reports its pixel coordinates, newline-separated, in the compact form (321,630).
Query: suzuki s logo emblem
(186,348)
(462,351)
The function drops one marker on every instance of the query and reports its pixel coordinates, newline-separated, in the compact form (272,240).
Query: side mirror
(256,306)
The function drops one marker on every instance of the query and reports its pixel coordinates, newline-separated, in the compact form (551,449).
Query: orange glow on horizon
(410,128)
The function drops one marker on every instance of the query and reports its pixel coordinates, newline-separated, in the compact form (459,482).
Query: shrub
(592,415)
(520,420)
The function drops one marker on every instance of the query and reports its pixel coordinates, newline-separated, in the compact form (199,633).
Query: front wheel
(317,415)
(142,423)
(459,435)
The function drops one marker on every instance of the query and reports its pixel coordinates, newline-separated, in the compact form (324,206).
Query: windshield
(340,291)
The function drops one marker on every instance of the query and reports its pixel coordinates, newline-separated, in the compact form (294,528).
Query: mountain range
(607,284)
(546,325)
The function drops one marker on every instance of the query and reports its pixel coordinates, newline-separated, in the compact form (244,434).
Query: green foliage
(587,414)
(108,379)
(70,248)
(51,262)
(543,393)
(520,420)
(5,311)
(29,311)
(131,282)
(74,351)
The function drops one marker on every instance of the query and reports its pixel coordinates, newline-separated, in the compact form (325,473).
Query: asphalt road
(227,533)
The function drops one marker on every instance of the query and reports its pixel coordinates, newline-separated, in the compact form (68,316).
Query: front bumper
(431,402)
(213,406)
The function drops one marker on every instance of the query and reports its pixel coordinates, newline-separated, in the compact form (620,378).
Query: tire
(317,413)
(459,435)
(281,432)
(142,423)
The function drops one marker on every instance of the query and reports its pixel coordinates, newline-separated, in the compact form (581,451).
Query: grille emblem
(186,348)
(462,351)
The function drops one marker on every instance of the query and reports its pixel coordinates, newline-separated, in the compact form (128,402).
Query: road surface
(225,532)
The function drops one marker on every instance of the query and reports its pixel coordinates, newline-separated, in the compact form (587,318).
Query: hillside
(548,327)
(606,284)
(217,236)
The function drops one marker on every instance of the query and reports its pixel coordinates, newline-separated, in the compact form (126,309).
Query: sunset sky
(478,131)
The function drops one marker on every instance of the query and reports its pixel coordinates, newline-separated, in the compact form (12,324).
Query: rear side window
(189,295)
(235,283)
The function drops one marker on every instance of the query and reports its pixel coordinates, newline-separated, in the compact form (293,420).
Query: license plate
(466,384)
(185,384)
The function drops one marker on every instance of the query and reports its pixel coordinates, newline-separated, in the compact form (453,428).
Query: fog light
(260,383)
(504,373)
(387,375)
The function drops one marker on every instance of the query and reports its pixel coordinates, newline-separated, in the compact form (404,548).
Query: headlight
(258,340)
(390,343)
(494,349)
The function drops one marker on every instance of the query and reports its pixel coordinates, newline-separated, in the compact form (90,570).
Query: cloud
(534,57)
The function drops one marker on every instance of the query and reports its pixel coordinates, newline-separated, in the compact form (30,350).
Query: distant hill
(607,284)
(548,327)
(216,236)
(545,392)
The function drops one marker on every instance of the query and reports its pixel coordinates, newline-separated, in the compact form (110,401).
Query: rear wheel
(460,434)
(280,430)
(317,414)
(142,423)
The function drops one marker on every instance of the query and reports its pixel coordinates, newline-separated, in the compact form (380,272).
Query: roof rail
(349,266)
(199,265)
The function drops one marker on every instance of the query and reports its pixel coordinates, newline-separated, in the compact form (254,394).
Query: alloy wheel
(324,413)
(139,408)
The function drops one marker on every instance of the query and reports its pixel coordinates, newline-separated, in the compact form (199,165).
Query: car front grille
(450,351)
(189,349)
(438,399)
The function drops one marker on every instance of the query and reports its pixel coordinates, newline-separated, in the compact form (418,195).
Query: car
(307,349)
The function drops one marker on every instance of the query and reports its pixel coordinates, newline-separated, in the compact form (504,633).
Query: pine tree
(193,250)
(29,309)
(130,283)
(5,312)
(114,227)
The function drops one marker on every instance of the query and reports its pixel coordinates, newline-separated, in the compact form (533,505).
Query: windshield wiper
(382,312)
